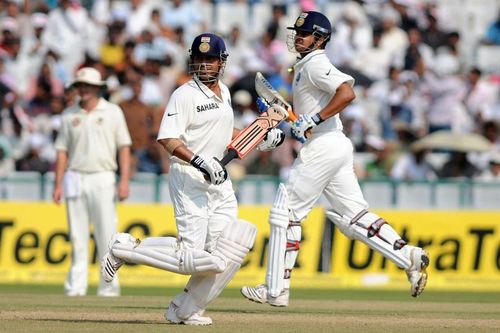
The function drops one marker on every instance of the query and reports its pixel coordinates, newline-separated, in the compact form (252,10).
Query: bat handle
(292,116)
(230,155)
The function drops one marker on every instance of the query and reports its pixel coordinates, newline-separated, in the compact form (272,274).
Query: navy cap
(312,21)
(208,44)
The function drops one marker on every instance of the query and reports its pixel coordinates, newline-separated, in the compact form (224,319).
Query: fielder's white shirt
(91,139)
(314,85)
(199,118)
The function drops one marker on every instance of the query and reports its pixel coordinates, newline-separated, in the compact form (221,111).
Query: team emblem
(300,22)
(204,47)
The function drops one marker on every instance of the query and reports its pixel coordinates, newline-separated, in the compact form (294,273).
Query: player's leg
(349,213)
(168,254)
(307,179)
(190,304)
(78,223)
(103,213)
(234,243)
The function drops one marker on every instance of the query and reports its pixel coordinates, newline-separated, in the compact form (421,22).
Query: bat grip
(230,155)
(292,116)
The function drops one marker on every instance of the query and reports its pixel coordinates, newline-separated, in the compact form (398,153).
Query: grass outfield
(44,309)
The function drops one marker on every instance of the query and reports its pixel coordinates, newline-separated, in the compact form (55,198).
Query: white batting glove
(212,168)
(305,123)
(274,137)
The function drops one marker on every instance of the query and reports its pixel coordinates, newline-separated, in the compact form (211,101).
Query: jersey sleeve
(175,118)
(328,78)
(62,140)
(122,133)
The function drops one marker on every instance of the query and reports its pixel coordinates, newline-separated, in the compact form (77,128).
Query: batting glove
(213,169)
(305,123)
(274,137)
(262,105)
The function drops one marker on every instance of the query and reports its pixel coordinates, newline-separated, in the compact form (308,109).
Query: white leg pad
(235,242)
(294,235)
(166,254)
(355,231)
(278,220)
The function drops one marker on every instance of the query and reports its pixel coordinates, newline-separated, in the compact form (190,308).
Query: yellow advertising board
(464,248)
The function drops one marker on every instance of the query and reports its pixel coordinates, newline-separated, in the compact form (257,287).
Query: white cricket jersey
(314,85)
(199,118)
(91,138)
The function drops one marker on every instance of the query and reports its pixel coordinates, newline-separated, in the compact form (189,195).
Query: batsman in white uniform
(91,134)
(324,166)
(196,128)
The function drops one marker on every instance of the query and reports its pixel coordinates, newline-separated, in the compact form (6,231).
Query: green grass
(30,308)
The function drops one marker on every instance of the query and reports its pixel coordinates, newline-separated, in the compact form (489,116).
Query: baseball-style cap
(312,21)
(88,75)
(208,44)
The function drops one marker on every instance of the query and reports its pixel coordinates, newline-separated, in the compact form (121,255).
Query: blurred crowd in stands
(414,75)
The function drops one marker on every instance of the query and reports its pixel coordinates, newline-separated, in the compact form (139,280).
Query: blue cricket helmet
(208,44)
(312,21)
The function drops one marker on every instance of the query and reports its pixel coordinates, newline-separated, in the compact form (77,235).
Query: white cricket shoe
(196,319)
(417,273)
(109,263)
(259,294)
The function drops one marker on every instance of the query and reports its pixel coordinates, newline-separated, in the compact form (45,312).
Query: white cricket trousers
(202,210)
(95,205)
(324,166)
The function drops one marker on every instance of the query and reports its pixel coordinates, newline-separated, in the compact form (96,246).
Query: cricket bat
(254,133)
(266,91)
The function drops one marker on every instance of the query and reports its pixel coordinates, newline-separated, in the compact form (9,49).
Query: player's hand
(57,194)
(262,105)
(211,168)
(305,123)
(123,190)
(273,139)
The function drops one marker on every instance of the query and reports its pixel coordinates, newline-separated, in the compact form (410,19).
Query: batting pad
(278,220)
(293,235)
(235,242)
(165,253)
(357,231)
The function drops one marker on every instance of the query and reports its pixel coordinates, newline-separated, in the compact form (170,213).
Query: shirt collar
(99,106)
(207,91)
(308,57)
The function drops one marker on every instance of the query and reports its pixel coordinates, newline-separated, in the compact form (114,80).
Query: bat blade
(254,133)
(266,91)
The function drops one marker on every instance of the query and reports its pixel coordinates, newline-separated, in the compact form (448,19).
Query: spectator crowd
(413,71)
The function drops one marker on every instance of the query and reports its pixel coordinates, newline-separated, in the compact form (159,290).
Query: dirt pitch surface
(35,312)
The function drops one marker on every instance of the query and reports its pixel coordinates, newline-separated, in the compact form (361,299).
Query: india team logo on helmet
(300,20)
(207,45)
(311,22)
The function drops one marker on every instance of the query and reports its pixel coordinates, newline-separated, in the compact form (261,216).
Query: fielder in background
(196,128)
(324,166)
(92,132)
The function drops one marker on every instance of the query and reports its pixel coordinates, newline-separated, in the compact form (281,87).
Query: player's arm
(60,167)
(177,148)
(124,163)
(212,168)
(236,131)
(343,96)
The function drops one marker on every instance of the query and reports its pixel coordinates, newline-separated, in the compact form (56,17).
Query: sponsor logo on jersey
(207,107)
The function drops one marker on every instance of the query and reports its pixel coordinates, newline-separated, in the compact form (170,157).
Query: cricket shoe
(259,294)
(109,263)
(195,319)
(417,273)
